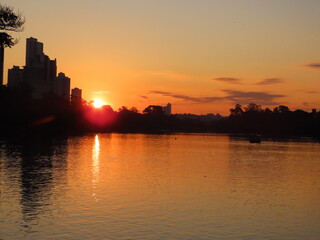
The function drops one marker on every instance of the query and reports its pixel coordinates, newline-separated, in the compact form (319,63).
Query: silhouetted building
(40,75)
(34,52)
(76,95)
(62,86)
(15,76)
(39,72)
(167,109)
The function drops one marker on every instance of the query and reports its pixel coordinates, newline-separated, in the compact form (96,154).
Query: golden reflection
(95,163)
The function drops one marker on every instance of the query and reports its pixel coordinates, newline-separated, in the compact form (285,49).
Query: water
(136,186)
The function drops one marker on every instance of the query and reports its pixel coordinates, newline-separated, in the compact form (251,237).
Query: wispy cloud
(145,97)
(311,92)
(269,81)
(313,65)
(255,97)
(230,80)
(240,97)
(305,104)
(162,93)
(187,97)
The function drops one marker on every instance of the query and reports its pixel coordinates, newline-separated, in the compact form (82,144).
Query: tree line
(20,114)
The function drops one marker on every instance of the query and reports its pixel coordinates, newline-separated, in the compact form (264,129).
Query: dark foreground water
(135,186)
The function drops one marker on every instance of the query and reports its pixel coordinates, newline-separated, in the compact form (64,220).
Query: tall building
(15,75)
(34,52)
(62,86)
(76,95)
(167,109)
(39,73)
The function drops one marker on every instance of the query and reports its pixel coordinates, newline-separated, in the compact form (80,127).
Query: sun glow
(98,103)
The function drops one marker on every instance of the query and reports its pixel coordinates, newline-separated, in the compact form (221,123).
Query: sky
(202,56)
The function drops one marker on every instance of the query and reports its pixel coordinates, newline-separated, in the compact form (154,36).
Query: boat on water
(254,139)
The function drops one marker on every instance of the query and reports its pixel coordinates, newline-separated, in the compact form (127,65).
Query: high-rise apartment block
(39,73)
(34,52)
(62,86)
(76,96)
(15,75)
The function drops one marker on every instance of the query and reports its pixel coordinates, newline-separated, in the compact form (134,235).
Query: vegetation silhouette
(280,121)
(9,21)
(20,114)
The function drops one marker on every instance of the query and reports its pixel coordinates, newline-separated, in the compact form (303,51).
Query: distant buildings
(15,75)
(40,74)
(76,95)
(167,109)
(62,86)
(202,118)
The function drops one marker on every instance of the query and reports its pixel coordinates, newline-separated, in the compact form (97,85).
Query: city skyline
(201,56)
(39,74)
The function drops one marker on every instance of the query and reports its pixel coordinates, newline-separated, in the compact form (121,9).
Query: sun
(98,103)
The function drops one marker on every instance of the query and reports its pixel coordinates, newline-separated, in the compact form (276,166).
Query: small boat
(254,139)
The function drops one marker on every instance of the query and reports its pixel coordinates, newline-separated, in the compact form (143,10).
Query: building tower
(167,109)
(76,97)
(40,72)
(15,77)
(34,52)
(62,86)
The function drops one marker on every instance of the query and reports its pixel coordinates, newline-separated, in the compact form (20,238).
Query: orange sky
(203,56)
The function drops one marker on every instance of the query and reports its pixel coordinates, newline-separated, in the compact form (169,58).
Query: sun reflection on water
(95,164)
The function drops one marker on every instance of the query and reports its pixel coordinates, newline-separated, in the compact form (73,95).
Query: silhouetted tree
(236,111)
(283,109)
(267,111)
(153,109)
(276,110)
(9,21)
(252,107)
(134,109)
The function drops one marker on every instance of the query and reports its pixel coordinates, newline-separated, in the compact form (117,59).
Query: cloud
(311,92)
(187,97)
(240,97)
(161,92)
(313,65)
(305,104)
(269,81)
(230,80)
(145,97)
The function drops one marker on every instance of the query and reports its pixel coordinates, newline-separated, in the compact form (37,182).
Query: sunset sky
(203,56)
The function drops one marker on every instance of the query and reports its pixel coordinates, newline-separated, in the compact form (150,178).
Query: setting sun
(98,103)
